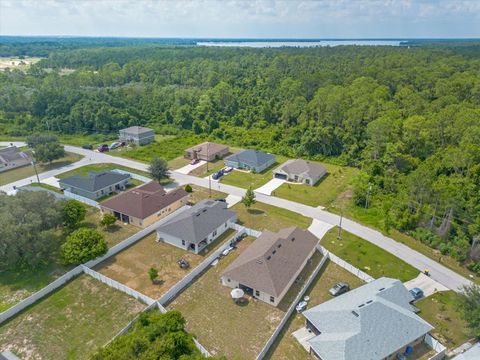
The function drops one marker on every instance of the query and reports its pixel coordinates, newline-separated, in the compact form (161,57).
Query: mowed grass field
(71,322)
(440,310)
(324,193)
(287,347)
(367,257)
(200,193)
(221,325)
(28,170)
(85,170)
(262,216)
(130,267)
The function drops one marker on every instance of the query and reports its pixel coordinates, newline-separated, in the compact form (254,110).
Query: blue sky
(240,18)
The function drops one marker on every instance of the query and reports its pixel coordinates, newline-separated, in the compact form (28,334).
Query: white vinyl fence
(7,314)
(291,310)
(182,284)
(248,231)
(349,267)
(437,346)
(133,175)
(80,198)
(116,285)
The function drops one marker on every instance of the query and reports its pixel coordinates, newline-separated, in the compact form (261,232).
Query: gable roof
(368,323)
(471,354)
(95,180)
(251,157)
(143,201)
(303,168)
(12,153)
(137,130)
(207,147)
(196,223)
(271,261)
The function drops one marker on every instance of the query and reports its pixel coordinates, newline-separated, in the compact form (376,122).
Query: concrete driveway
(52,181)
(319,228)
(187,168)
(271,186)
(426,283)
(232,200)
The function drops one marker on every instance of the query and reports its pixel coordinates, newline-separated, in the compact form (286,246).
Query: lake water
(263,44)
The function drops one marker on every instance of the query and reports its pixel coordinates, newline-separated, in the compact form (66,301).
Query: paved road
(440,273)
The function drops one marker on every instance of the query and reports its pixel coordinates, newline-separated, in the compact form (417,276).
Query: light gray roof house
(250,159)
(471,354)
(299,170)
(95,180)
(368,323)
(196,223)
(138,134)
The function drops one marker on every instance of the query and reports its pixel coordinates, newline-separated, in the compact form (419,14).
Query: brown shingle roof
(143,201)
(272,260)
(213,148)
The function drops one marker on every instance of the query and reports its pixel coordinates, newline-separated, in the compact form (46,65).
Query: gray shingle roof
(196,223)
(137,130)
(12,153)
(95,180)
(368,323)
(303,168)
(251,157)
(272,260)
(471,354)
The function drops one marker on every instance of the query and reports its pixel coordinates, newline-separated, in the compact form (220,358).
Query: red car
(103,148)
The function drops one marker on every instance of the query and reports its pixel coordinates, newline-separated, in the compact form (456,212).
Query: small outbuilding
(207,151)
(253,160)
(138,135)
(300,171)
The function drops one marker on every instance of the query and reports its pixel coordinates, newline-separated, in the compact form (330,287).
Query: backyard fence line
(38,188)
(347,266)
(291,309)
(133,175)
(437,346)
(14,310)
(80,198)
(248,231)
(187,279)
(119,286)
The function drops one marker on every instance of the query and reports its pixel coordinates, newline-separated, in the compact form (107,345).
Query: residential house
(95,184)
(270,265)
(138,135)
(207,151)
(300,171)
(471,354)
(198,226)
(12,157)
(144,205)
(373,322)
(253,160)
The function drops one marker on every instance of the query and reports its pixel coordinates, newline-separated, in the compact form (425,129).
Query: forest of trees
(409,117)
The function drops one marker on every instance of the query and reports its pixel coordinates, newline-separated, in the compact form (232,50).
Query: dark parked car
(103,148)
(217,175)
(221,199)
(88,146)
(417,293)
(339,289)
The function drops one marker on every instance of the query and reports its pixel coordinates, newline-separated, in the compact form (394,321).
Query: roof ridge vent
(355,313)
(258,261)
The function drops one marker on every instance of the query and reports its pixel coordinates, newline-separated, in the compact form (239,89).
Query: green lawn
(84,170)
(325,192)
(71,322)
(262,216)
(200,193)
(46,186)
(367,257)
(94,139)
(27,171)
(246,179)
(286,346)
(440,310)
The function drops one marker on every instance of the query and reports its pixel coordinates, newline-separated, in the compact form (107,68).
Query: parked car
(417,293)
(227,169)
(221,199)
(102,148)
(183,264)
(87,146)
(302,305)
(114,145)
(217,175)
(194,161)
(339,289)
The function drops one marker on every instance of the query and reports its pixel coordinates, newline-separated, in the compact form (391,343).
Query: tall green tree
(158,169)
(73,213)
(82,245)
(249,198)
(470,307)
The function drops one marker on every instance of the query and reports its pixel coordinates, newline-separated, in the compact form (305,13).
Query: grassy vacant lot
(84,170)
(324,193)
(262,216)
(71,322)
(440,310)
(27,171)
(286,346)
(94,139)
(367,257)
(223,327)
(130,267)
(246,179)
(200,193)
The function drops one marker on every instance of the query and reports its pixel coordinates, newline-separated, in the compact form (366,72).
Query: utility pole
(35,168)
(339,235)
(368,194)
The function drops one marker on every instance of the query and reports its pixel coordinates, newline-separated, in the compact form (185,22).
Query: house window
(307,181)
(183,242)
(214,233)
(272,299)
(257,293)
